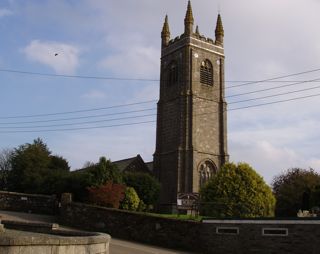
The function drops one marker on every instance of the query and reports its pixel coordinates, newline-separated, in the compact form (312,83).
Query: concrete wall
(302,237)
(16,242)
(211,236)
(30,203)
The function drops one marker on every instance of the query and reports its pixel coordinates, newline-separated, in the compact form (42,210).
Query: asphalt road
(116,246)
(124,247)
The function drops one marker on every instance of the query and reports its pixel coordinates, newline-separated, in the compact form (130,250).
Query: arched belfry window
(206,73)
(206,171)
(172,73)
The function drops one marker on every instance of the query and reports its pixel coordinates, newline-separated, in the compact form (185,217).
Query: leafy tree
(102,172)
(237,191)
(56,182)
(77,184)
(59,163)
(294,190)
(146,186)
(5,167)
(32,165)
(109,194)
(5,157)
(131,200)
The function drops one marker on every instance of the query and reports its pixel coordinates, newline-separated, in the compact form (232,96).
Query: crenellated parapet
(189,33)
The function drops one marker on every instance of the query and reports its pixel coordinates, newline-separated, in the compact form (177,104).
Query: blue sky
(109,38)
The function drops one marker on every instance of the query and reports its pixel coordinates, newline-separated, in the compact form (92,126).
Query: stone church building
(191,139)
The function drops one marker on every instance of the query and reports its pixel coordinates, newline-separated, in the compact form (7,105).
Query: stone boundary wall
(30,203)
(132,226)
(210,236)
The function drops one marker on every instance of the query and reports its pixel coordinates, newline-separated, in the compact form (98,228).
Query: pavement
(117,246)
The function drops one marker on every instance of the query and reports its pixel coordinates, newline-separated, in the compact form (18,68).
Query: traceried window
(172,73)
(206,73)
(206,171)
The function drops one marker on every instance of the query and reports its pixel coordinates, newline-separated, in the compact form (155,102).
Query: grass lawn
(178,216)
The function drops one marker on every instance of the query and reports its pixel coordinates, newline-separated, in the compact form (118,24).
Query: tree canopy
(296,189)
(32,165)
(146,186)
(5,167)
(237,191)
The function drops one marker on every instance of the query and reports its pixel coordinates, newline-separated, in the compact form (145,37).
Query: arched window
(206,171)
(206,73)
(172,73)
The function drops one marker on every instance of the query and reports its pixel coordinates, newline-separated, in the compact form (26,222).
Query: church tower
(191,141)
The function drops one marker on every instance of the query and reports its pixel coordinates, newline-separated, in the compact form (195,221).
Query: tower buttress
(165,34)
(188,21)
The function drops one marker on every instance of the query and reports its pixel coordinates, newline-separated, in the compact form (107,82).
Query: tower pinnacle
(188,21)
(219,31)
(165,34)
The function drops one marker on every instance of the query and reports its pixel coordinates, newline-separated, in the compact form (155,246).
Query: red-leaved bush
(109,194)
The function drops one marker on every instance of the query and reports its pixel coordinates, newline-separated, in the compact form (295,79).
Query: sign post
(188,202)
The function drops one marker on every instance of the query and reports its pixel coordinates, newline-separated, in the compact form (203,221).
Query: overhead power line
(80,128)
(77,111)
(79,123)
(275,78)
(144,102)
(78,118)
(271,88)
(141,110)
(143,122)
(275,95)
(276,102)
(74,76)
(152,79)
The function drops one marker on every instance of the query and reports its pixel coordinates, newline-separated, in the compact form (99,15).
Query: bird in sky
(55,54)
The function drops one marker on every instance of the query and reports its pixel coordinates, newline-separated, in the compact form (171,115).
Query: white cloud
(94,95)
(114,143)
(268,159)
(65,62)
(136,61)
(131,56)
(5,12)
(146,93)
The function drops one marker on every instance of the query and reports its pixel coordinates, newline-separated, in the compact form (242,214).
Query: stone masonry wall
(205,238)
(132,226)
(30,203)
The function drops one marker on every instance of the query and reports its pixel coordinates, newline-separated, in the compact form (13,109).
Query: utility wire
(275,95)
(77,111)
(78,118)
(143,122)
(271,88)
(144,102)
(272,79)
(149,79)
(80,128)
(80,123)
(133,111)
(276,102)
(75,76)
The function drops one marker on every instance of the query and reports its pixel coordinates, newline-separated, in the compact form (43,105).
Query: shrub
(131,200)
(146,186)
(237,191)
(108,195)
